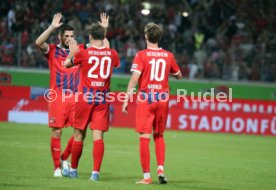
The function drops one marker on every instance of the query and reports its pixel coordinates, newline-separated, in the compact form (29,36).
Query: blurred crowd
(211,39)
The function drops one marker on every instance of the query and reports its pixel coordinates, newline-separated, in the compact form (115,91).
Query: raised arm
(41,40)
(104,21)
(106,43)
(74,48)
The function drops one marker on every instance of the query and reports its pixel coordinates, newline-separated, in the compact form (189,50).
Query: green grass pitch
(196,161)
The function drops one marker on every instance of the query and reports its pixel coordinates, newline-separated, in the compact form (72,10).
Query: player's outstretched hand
(73,46)
(104,20)
(124,108)
(56,20)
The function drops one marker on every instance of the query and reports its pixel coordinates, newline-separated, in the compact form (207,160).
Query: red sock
(55,150)
(76,154)
(98,152)
(159,149)
(68,149)
(145,154)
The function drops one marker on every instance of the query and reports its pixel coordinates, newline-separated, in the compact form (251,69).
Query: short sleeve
(116,60)
(78,58)
(50,49)
(137,65)
(174,67)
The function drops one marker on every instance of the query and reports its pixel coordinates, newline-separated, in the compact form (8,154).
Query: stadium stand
(212,39)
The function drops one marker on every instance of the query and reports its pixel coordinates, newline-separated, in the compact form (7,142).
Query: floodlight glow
(145,12)
(185,14)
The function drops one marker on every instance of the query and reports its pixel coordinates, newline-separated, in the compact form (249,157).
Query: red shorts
(151,117)
(97,115)
(60,113)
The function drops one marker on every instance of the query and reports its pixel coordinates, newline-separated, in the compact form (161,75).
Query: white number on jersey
(155,67)
(104,62)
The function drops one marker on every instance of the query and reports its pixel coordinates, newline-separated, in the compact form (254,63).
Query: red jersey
(61,77)
(96,68)
(155,66)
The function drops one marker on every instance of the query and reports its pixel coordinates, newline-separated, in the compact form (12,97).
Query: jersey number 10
(156,65)
(105,67)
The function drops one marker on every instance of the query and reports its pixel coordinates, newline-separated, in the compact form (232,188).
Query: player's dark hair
(65,28)
(153,32)
(97,31)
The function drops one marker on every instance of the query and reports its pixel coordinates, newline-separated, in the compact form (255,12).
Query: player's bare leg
(145,158)
(98,153)
(76,151)
(160,156)
(55,150)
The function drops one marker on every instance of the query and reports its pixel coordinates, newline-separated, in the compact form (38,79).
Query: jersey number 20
(156,65)
(105,66)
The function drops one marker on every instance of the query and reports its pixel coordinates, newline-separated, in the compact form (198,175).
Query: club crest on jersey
(52,120)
